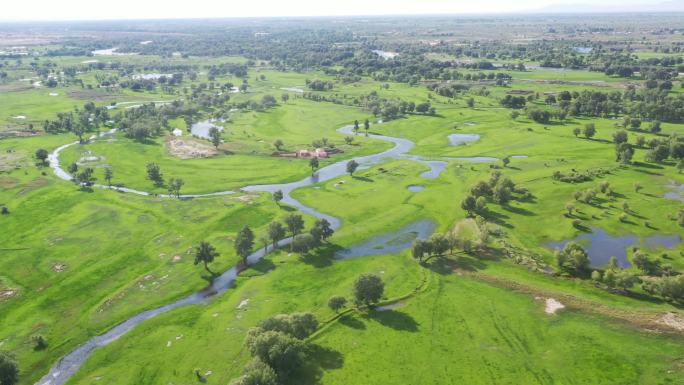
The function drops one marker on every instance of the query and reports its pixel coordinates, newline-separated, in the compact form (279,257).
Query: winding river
(68,365)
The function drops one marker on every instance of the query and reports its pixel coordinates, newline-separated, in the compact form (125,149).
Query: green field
(76,261)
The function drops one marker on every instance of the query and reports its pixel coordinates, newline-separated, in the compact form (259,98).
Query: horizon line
(398,15)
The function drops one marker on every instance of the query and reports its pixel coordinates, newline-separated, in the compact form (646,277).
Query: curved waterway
(68,365)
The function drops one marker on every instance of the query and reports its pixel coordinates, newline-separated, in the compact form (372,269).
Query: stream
(68,365)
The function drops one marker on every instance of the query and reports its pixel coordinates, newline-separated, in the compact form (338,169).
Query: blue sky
(143,9)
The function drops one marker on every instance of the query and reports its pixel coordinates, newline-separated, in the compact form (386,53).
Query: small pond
(415,188)
(601,246)
(202,128)
(676,193)
(390,243)
(460,139)
(385,54)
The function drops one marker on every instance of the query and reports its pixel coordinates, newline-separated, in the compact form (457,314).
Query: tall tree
(215,136)
(366,126)
(295,224)
(244,243)
(276,232)
(314,164)
(352,165)
(278,196)
(42,155)
(108,175)
(206,253)
(175,185)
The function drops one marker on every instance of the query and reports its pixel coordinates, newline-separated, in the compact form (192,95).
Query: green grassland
(80,262)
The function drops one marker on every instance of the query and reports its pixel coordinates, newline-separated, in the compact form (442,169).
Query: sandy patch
(552,306)
(176,258)
(21,117)
(243,303)
(59,267)
(189,149)
(673,320)
(7,294)
(53,94)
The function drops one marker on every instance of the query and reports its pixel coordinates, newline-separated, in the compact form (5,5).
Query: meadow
(76,261)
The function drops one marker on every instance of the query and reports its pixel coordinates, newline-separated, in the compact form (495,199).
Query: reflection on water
(601,246)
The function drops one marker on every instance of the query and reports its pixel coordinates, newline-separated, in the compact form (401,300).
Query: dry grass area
(186,148)
(11,160)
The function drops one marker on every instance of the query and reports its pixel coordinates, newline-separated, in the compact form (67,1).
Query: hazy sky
(143,9)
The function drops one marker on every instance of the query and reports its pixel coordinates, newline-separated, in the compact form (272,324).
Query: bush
(336,303)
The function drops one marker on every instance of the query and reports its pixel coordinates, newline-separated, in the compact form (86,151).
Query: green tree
(215,136)
(9,370)
(278,196)
(278,350)
(295,224)
(322,230)
(368,289)
(256,372)
(206,253)
(352,165)
(175,185)
(576,131)
(620,137)
(108,175)
(42,155)
(573,259)
(336,303)
(244,243)
(276,232)
(589,130)
(314,164)
(469,204)
(278,144)
(154,174)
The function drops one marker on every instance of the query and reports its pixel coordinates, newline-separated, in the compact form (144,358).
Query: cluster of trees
(498,188)
(80,121)
(319,85)
(154,174)
(388,109)
(278,349)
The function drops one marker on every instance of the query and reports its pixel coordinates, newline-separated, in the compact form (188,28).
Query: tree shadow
(319,359)
(519,210)
(498,218)
(362,178)
(263,266)
(322,256)
(396,320)
(467,263)
(287,208)
(647,165)
(352,322)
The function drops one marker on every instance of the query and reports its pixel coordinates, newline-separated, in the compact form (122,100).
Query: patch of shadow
(467,263)
(322,256)
(319,359)
(519,210)
(352,322)
(263,266)
(362,178)
(395,319)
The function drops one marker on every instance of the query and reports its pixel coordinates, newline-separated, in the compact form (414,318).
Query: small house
(177,132)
